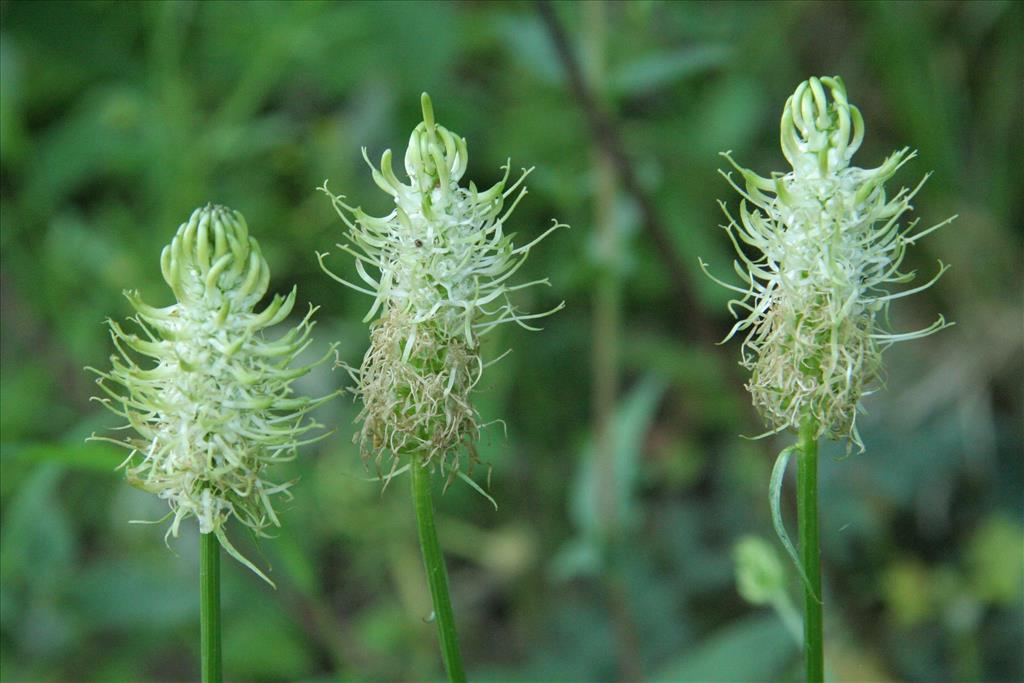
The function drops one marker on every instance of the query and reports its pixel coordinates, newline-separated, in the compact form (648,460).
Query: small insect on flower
(438,267)
(829,245)
(210,400)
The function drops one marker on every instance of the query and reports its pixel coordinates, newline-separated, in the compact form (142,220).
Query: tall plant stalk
(816,298)
(439,268)
(607,315)
(209,608)
(607,289)
(810,548)
(199,372)
(437,574)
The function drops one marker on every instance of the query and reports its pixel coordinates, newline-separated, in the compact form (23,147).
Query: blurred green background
(622,483)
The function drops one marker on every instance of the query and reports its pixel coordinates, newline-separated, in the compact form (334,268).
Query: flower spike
(439,268)
(829,246)
(210,400)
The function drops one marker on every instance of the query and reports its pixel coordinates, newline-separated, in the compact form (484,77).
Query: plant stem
(810,551)
(209,607)
(607,296)
(605,358)
(437,575)
(605,131)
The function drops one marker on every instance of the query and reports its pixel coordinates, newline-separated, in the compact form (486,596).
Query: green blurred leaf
(155,594)
(38,544)
(581,556)
(753,649)
(261,643)
(589,509)
(24,395)
(527,41)
(996,560)
(296,560)
(96,457)
(660,70)
(100,139)
(12,134)
(633,420)
(908,590)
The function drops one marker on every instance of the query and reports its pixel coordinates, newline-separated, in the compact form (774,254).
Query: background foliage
(609,557)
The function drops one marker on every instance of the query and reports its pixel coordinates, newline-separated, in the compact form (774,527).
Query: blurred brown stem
(605,360)
(607,293)
(606,135)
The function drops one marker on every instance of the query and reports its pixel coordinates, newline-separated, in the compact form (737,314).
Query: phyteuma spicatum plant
(819,248)
(439,267)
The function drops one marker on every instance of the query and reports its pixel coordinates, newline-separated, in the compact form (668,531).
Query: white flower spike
(438,268)
(829,245)
(209,398)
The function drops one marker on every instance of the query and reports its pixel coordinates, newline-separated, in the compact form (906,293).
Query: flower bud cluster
(819,247)
(438,267)
(210,400)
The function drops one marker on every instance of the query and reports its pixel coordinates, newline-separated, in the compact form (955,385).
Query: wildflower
(210,400)
(438,267)
(830,244)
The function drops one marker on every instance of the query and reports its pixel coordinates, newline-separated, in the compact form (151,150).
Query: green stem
(437,575)
(810,551)
(209,607)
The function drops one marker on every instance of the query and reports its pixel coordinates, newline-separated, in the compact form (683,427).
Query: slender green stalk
(437,575)
(810,551)
(209,607)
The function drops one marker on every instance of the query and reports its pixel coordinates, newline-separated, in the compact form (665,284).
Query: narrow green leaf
(233,552)
(476,487)
(775,496)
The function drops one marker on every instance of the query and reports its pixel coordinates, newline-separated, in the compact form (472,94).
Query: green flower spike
(438,268)
(829,244)
(825,245)
(210,400)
